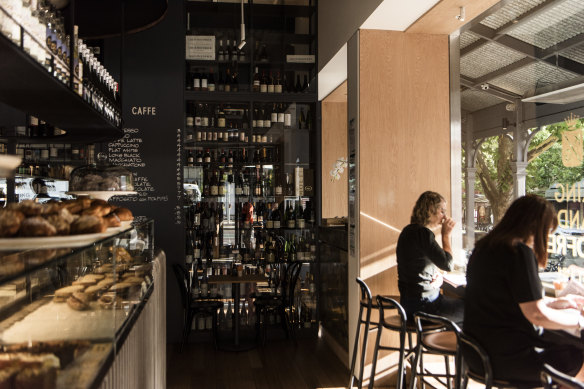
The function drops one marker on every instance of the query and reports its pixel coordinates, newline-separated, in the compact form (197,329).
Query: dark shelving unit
(27,86)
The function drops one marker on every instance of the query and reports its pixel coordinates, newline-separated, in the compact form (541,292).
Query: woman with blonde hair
(420,259)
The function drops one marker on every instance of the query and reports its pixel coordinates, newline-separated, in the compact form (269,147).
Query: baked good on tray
(70,217)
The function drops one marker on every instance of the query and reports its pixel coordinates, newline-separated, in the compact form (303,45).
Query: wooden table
(236,281)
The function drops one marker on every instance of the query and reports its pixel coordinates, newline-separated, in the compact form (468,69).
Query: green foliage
(547,168)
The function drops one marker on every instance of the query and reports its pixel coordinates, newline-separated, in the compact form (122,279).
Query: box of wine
(298,181)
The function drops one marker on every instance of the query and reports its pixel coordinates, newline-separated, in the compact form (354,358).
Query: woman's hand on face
(447,225)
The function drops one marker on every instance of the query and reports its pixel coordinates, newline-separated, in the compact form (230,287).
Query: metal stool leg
(375,354)
(364,348)
(355,348)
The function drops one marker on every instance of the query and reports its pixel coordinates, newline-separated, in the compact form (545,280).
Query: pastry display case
(65,311)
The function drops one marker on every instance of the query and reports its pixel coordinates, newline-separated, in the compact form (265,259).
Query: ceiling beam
(527,49)
(504,70)
(492,90)
(574,41)
(473,46)
(527,16)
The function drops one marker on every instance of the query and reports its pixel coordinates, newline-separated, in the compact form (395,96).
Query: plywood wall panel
(404,140)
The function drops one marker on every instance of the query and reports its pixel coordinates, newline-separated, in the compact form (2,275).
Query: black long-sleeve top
(418,256)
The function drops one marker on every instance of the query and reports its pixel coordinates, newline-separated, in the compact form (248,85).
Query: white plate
(102,194)
(53,242)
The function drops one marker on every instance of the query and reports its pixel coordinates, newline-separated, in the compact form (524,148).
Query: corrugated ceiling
(535,24)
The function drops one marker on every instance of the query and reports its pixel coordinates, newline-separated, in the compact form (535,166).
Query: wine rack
(249,155)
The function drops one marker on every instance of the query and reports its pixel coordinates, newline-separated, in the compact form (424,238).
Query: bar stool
(365,304)
(394,322)
(442,341)
(551,378)
(468,346)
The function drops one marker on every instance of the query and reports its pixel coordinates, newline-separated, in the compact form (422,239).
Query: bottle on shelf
(299,216)
(197,81)
(263,56)
(298,86)
(301,119)
(204,82)
(270,82)
(235,82)
(256,81)
(220,52)
(211,81)
(305,85)
(227,86)
(263,83)
(290,217)
(278,84)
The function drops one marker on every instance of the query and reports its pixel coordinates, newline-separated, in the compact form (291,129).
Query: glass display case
(64,310)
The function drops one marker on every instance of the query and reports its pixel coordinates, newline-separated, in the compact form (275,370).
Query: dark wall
(337,22)
(152,96)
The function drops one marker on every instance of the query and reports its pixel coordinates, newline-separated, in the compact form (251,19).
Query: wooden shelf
(27,86)
(258,10)
(246,97)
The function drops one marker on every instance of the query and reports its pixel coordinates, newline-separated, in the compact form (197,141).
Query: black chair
(551,378)
(194,307)
(470,348)
(394,322)
(442,341)
(365,304)
(279,304)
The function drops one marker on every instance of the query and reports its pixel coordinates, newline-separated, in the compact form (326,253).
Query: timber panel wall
(404,140)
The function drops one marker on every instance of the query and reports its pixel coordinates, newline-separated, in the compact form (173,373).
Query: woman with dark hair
(420,259)
(504,304)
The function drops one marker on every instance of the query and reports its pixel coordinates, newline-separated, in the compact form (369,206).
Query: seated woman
(420,259)
(504,307)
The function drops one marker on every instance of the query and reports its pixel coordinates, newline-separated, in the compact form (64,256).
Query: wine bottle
(207,157)
(211,81)
(256,81)
(299,216)
(234,53)
(270,83)
(290,217)
(305,84)
(220,82)
(263,53)
(278,84)
(301,119)
(276,216)
(227,87)
(197,81)
(190,159)
(264,83)
(220,52)
(214,185)
(298,86)
(235,82)
(204,82)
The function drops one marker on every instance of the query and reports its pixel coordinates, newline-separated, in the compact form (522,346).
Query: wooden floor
(277,365)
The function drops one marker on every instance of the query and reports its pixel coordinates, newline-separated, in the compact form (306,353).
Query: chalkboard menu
(152,98)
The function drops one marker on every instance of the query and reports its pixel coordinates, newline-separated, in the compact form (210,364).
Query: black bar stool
(394,322)
(442,341)
(469,347)
(365,304)
(551,378)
